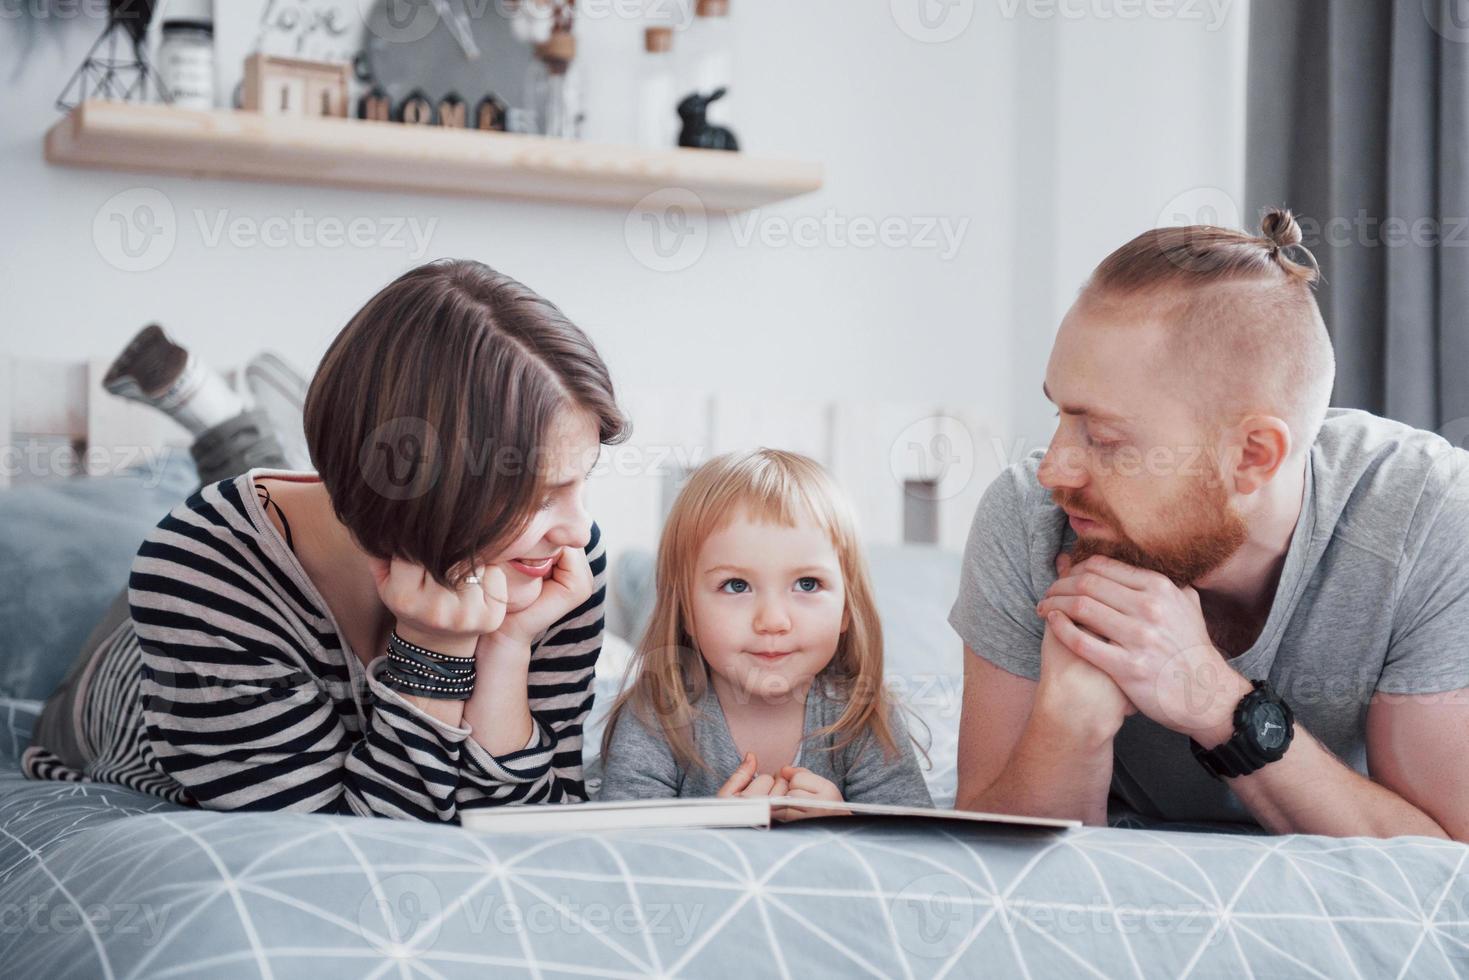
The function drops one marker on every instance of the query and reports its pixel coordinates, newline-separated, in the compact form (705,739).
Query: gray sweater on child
(640,764)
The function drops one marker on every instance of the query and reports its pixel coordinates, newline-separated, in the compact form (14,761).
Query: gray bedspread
(97,881)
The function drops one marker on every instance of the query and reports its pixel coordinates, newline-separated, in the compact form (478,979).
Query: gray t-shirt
(640,764)
(1374,596)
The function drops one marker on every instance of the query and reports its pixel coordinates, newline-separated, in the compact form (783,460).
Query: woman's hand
(805,784)
(744,782)
(568,586)
(446,621)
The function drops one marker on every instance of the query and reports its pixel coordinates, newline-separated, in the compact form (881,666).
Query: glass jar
(186,63)
(658,93)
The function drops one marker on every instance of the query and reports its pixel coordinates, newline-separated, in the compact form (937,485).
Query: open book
(728,811)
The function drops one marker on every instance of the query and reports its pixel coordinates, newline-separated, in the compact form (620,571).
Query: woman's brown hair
(427,416)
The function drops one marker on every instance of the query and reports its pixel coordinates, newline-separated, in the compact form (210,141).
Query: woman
(407,632)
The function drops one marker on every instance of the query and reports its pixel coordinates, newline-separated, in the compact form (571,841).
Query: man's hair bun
(1281,227)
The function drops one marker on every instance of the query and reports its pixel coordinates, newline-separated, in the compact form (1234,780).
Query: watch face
(1269,726)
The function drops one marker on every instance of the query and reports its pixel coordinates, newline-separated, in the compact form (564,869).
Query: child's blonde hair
(668,672)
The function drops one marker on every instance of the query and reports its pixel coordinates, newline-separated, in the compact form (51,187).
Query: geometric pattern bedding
(99,881)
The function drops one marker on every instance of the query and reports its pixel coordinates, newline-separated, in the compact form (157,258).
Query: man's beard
(1205,532)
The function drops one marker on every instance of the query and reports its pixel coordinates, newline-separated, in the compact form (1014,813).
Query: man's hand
(1149,636)
(1070,686)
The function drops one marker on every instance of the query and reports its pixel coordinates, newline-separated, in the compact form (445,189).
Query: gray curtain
(1359,122)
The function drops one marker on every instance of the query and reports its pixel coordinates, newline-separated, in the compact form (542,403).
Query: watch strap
(1228,760)
(1240,756)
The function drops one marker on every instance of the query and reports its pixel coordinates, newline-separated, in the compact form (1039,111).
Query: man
(1212,599)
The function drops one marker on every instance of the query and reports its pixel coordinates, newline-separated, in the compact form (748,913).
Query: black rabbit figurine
(697,132)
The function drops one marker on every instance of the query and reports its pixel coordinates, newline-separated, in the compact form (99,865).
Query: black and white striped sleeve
(562,667)
(235,706)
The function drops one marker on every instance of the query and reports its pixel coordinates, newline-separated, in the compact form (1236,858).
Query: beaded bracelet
(425,690)
(411,685)
(415,664)
(412,669)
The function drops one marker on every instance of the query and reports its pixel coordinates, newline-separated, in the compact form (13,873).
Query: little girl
(761,671)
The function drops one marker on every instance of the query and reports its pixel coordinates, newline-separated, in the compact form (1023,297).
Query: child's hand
(744,781)
(805,783)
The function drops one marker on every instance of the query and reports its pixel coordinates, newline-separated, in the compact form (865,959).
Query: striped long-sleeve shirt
(231,688)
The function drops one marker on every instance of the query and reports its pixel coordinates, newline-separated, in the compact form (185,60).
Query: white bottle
(658,92)
(706,51)
(186,54)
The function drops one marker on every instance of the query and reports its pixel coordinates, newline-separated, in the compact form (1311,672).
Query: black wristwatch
(1263,728)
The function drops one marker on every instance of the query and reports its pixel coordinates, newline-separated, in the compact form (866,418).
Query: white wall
(1136,121)
(1054,138)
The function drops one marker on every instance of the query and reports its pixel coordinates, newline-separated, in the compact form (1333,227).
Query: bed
(97,881)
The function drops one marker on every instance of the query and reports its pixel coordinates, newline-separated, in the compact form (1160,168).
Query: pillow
(65,550)
(915,588)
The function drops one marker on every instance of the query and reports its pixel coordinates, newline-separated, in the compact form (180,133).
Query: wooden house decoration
(277,86)
(453,112)
(416,110)
(375,105)
(490,114)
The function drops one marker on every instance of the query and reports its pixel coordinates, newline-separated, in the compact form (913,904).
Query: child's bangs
(770,490)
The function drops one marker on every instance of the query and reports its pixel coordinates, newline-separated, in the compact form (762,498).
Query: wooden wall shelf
(394,157)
